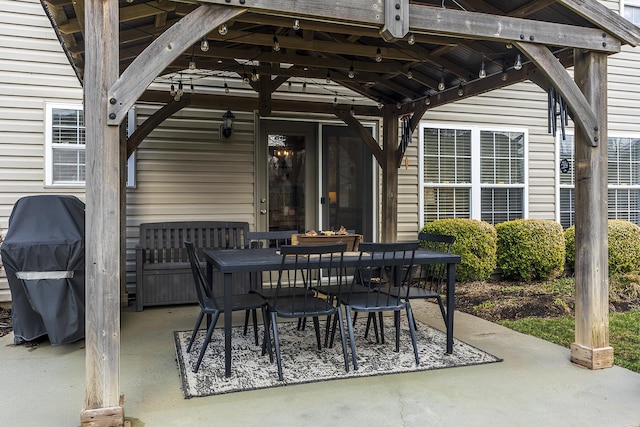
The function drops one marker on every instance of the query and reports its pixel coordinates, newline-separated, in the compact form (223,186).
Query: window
(65,146)
(623,163)
(631,11)
(471,172)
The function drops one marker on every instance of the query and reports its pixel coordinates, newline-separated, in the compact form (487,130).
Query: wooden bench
(163,272)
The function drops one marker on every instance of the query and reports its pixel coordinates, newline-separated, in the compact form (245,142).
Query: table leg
(228,311)
(451,304)
(209,279)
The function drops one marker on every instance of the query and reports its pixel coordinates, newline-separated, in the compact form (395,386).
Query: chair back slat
(270,239)
(433,276)
(380,267)
(199,279)
(312,269)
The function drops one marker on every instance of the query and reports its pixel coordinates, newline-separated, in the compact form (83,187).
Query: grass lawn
(624,331)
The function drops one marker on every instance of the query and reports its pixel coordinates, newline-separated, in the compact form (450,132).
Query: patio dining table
(229,261)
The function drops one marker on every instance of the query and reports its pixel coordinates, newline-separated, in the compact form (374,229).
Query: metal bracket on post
(396,20)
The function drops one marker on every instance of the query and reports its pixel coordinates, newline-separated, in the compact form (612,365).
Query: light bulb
(276,44)
(483,72)
(411,40)
(398,105)
(505,76)
(296,25)
(172,91)
(304,86)
(180,90)
(427,100)
(192,65)
(245,78)
(204,44)
(441,85)
(380,105)
(176,98)
(254,75)
(410,73)
(226,88)
(378,55)
(352,111)
(328,77)
(460,90)
(223,30)
(518,64)
(352,73)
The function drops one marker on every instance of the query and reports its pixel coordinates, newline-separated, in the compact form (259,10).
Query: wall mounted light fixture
(226,128)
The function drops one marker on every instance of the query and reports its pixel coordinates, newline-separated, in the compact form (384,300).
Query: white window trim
(48,152)
(475,186)
(623,3)
(558,185)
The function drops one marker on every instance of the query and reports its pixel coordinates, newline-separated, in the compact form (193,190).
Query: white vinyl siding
(33,71)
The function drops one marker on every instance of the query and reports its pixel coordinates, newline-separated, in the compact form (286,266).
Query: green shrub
(624,246)
(530,249)
(475,243)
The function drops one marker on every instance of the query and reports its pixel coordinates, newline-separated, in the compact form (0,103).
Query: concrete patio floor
(535,385)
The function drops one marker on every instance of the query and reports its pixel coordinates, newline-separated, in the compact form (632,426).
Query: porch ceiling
(453,39)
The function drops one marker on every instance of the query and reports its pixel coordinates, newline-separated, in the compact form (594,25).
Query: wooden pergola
(406,56)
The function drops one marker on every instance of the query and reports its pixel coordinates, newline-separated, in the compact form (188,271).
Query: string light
(304,87)
(172,90)
(505,76)
(398,105)
(192,63)
(441,84)
(245,78)
(410,73)
(254,75)
(352,73)
(427,100)
(223,30)
(518,64)
(483,72)
(335,101)
(412,39)
(296,25)
(380,104)
(460,89)
(328,77)
(192,88)
(204,44)
(180,90)
(378,55)
(226,87)
(276,44)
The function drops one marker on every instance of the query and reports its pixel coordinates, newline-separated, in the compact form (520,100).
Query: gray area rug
(302,362)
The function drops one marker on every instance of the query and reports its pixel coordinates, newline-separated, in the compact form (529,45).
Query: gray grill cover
(43,256)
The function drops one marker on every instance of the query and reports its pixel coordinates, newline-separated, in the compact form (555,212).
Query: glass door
(287,196)
(347,192)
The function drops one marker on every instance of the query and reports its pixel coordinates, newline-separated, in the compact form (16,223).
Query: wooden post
(102,405)
(389,174)
(591,348)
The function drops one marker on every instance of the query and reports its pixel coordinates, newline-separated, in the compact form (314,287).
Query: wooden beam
(153,121)
(462,24)
(240,103)
(531,8)
(362,132)
(419,108)
(78,8)
(389,194)
(605,18)
(103,153)
(591,347)
(355,11)
(160,53)
(396,20)
(265,104)
(129,13)
(580,110)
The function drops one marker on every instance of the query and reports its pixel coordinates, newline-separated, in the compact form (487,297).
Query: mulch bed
(5,321)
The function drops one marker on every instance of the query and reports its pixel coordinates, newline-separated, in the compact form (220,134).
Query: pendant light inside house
(204,44)
(518,64)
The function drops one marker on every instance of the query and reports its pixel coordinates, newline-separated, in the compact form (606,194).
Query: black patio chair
(316,267)
(379,265)
(428,278)
(209,304)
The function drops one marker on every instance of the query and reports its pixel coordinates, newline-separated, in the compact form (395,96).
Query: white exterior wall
(33,70)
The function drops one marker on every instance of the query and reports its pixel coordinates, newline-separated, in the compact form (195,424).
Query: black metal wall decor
(406,133)
(557,109)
